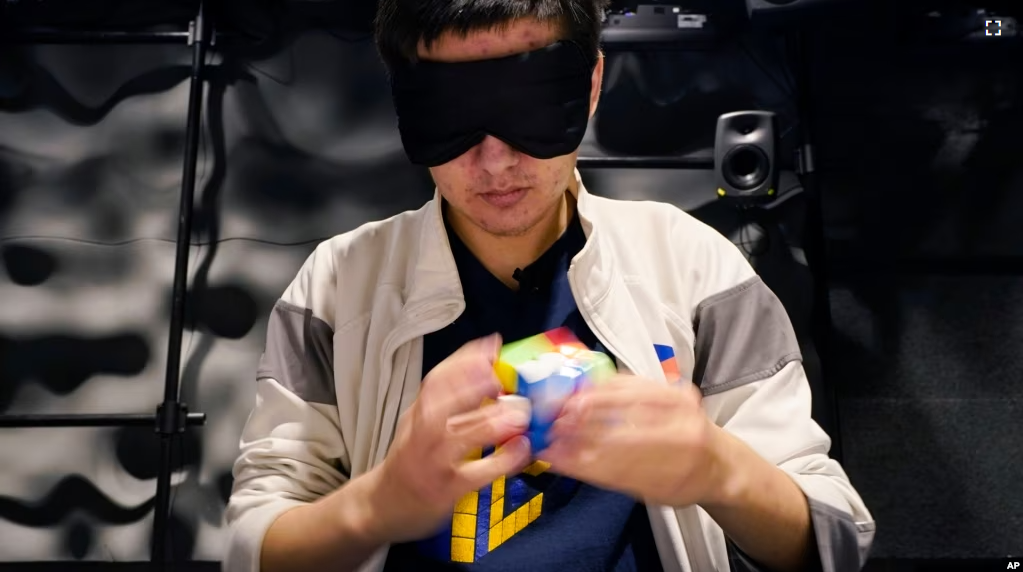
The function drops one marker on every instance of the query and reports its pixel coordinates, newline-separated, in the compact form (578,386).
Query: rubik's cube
(545,370)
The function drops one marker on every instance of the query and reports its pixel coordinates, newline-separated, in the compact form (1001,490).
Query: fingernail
(520,443)
(493,343)
(518,418)
(518,409)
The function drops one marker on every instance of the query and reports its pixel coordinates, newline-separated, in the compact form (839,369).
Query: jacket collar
(433,277)
(435,291)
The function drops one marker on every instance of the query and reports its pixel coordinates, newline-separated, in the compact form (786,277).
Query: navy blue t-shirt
(536,521)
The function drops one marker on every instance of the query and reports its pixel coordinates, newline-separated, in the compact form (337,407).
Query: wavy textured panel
(90,167)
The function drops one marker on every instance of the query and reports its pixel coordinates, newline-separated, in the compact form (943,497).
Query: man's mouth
(504,198)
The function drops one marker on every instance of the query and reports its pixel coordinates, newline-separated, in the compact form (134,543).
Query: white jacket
(344,355)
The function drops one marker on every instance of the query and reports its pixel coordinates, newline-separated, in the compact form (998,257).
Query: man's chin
(504,226)
(506,231)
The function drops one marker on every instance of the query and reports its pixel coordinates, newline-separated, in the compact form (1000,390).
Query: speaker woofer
(745,167)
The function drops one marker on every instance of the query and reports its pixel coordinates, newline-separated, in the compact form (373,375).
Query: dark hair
(401,25)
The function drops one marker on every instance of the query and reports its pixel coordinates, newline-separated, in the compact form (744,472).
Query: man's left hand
(643,438)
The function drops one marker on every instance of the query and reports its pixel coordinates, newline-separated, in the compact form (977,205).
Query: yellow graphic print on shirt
(480,523)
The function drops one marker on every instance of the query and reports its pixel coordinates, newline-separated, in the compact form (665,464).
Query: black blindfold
(537,102)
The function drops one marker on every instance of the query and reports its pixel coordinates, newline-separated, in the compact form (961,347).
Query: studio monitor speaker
(745,155)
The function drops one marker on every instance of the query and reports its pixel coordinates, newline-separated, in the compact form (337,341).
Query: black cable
(744,220)
(750,246)
(785,68)
(793,191)
(789,93)
(787,88)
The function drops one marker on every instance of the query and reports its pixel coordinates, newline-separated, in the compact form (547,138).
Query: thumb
(508,459)
(488,346)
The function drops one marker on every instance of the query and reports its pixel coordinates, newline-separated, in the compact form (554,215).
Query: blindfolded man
(376,442)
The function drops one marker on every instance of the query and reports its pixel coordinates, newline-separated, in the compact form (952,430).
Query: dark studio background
(915,121)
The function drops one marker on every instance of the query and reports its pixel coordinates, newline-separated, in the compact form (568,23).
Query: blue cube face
(548,395)
(542,382)
(538,438)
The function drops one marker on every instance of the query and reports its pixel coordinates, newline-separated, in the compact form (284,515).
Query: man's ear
(598,77)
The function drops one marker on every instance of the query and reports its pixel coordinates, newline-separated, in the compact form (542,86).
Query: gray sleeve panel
(842,545)
(742,335)
(300,353)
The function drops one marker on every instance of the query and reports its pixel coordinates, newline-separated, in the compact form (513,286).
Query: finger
(496,422)
(513,405)
(509,459)
(692,391)
(490,435)
(559,454)
(463,381)
(610,426)
(472,418)
(571,460)
(459,399)
(635,393)
(488,347)
(470,360)
(587,434)
(617,382)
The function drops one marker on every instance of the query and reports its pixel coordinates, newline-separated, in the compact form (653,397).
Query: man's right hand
(427,469)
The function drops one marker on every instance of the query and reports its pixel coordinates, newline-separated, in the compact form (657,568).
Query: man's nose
(495,155)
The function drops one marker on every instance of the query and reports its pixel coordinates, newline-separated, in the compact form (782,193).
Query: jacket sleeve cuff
(245,543)
(839,543)
(842,543)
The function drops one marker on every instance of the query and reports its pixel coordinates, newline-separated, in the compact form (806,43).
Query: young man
(368,448)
